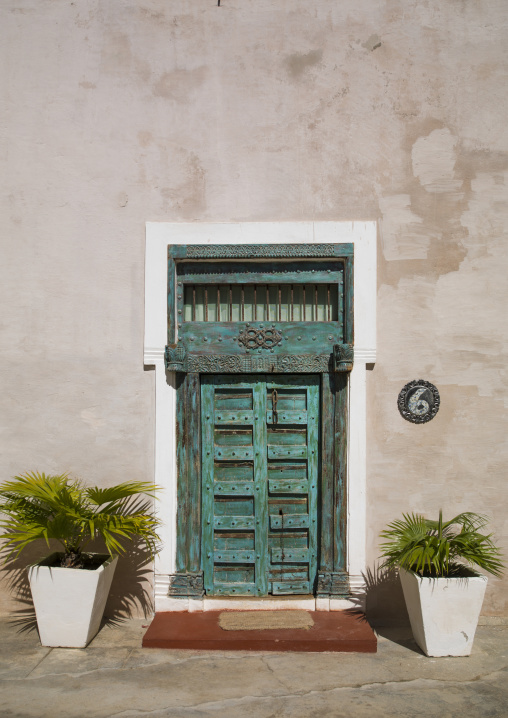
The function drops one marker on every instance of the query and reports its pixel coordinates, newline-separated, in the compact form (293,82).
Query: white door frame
(158,235)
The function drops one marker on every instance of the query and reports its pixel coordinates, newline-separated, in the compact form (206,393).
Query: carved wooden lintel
(188,585)
(177,359)
(333,584)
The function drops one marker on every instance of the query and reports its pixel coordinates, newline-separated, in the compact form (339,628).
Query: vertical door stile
(208,423)
(340,479)
(313,469)
(260,487)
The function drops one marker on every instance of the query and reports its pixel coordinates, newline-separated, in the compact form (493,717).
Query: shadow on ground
(130,593)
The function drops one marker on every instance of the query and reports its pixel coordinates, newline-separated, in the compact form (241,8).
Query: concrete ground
(114,676)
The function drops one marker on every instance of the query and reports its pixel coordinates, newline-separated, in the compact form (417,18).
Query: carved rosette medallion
(262,338)
(419,401)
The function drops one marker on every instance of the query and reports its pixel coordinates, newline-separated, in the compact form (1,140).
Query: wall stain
(187,198)
(118,59)
(145,138)
(178,85)
(122,199)
(117,55)
(372,43)
(298,63)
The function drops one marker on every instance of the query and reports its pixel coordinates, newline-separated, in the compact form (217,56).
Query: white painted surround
(158,236)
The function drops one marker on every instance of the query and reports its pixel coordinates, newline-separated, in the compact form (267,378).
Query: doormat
(264,620)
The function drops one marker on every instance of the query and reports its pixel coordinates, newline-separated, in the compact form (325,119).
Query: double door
(260,466)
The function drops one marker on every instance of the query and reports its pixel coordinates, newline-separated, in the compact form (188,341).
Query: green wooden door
(260,459)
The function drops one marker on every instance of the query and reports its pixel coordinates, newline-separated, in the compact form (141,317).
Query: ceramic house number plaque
(418,401)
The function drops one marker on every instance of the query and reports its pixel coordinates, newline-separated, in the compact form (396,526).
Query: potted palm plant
(443,592)
(70,587)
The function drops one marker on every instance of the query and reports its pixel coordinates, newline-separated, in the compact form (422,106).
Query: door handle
(275,399)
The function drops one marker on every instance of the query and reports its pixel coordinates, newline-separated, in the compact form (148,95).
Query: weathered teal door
(260,463)
(260,344)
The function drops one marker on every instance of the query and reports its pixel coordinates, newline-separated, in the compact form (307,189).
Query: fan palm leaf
(436,548)
(37,506)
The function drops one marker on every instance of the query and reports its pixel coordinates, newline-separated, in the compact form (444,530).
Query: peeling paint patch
(177,85)
(403,235)
(298,63)
(434,160)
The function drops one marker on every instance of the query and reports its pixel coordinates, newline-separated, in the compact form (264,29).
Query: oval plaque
(418,401)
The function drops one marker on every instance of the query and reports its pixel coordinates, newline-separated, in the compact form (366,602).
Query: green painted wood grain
(313,474)
(194,472)
(260,474)
(182,482)
(171,316)
(340,518)
(207,464)
(348,322)
(298,338)
(326,515)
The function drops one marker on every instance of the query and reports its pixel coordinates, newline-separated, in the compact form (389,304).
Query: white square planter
(444,612)
(69,602)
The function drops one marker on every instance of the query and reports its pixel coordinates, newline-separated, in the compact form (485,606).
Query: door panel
(260,439)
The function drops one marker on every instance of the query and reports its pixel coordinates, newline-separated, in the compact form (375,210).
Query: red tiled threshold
(338,631)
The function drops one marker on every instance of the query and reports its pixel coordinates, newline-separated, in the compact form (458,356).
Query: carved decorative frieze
(188,585)
(215,363)
(177,359)
(265,338)
(343,356)
(304,363)
(252,251)
(244,364)
(333,584)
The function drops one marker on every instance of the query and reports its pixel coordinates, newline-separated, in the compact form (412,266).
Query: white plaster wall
(114,114)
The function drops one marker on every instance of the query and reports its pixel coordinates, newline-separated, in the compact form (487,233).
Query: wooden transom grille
(261,302)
